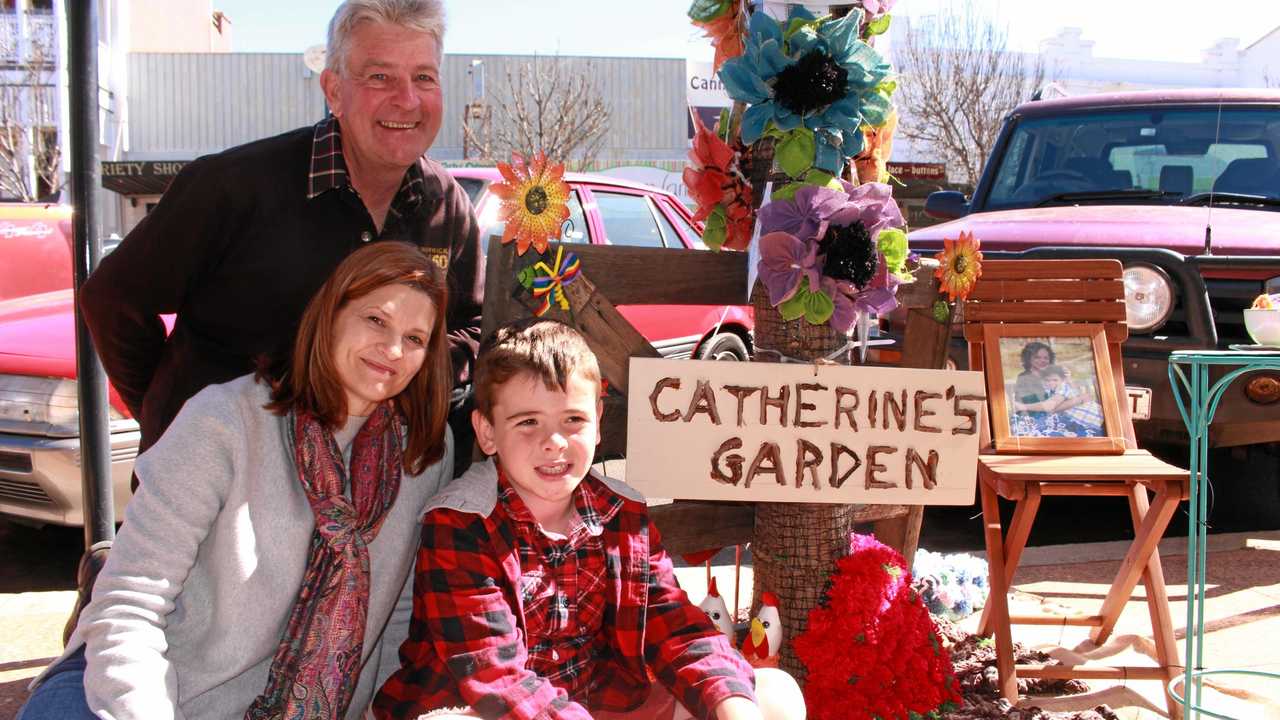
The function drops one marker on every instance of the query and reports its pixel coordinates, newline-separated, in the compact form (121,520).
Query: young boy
(542,589)
(1078,409)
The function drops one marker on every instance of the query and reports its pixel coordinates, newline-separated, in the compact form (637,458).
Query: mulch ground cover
(974,659)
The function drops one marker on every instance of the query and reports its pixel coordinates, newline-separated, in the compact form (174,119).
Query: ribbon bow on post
(547,281)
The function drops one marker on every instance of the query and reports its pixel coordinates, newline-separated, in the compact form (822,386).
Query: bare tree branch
(30,155)
(958,81)
(545,105)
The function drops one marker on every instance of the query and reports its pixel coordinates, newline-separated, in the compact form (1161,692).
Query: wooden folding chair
(1055,292)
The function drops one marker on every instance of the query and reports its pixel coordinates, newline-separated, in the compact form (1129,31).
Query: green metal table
(1197,402)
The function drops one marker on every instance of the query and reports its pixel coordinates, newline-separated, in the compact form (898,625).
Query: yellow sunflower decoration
(534,199)
(961,266)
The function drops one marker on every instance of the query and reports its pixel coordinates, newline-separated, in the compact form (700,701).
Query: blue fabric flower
(810,72)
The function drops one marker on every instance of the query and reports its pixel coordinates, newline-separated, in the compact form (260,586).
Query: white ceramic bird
(764,641)
(716,609)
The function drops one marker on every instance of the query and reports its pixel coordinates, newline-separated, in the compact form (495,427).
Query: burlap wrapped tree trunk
(795,545)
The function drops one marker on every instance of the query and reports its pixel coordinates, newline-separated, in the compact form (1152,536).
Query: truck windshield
(1159,156)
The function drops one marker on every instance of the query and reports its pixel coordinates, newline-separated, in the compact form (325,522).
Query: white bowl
(1263,326)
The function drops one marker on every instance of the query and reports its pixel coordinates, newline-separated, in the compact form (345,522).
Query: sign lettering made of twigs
(774,432)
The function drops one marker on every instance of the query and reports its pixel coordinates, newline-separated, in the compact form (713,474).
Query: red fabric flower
(721,191)
(870,648)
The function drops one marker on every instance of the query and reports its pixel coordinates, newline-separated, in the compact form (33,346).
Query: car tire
(725,346)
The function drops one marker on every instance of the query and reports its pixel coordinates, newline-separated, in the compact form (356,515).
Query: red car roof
(491,174)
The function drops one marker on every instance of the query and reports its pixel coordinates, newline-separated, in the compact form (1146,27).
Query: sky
(1169,30)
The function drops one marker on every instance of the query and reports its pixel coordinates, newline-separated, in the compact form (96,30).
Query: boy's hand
(738,708)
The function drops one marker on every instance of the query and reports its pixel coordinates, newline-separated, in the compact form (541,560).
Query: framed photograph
(1051,389)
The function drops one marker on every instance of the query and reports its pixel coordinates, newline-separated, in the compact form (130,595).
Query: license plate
(1139,402)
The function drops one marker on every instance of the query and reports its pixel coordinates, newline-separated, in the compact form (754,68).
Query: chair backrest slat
(1020,289)
(1044,311)
(1052,270)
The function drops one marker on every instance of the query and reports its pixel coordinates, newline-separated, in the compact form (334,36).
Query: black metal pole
(95,440)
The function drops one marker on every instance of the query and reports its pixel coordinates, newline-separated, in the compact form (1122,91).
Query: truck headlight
(1148,297)
(44,401)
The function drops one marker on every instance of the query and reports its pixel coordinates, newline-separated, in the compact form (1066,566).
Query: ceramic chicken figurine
(764,640)
(716,609)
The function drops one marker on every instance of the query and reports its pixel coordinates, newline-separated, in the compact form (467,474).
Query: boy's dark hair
(545,349)
(1054,370)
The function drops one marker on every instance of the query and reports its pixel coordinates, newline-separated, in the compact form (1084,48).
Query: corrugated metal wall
(184,105)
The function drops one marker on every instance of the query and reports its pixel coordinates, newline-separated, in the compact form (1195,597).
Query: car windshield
(1159,156)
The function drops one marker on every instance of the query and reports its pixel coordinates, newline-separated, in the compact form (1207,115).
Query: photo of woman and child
(1049,399)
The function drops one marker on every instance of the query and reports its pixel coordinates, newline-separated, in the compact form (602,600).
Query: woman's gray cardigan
(188,611)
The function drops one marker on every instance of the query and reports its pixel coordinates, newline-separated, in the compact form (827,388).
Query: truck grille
(1229,299)
(15,462)
(23,491)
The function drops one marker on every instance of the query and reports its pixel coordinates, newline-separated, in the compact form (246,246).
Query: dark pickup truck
(1183,187)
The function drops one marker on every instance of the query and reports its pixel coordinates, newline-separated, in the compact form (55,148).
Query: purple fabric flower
(789,249)
(803,215)
(872,203)
(876,8)
(880,296)
(784,260)
(814,207)
(846,313)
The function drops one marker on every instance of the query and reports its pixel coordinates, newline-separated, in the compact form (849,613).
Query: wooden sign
(715,430)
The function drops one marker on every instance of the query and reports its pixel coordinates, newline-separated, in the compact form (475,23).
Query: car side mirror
(946,205)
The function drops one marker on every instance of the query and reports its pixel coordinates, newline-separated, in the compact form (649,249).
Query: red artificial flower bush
(871,649)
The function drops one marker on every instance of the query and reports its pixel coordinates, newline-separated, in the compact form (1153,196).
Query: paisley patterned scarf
(315,669)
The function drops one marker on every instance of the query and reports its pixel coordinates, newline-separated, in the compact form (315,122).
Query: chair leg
(1024,514)
(1158,607)
(998,600)
(1136,560)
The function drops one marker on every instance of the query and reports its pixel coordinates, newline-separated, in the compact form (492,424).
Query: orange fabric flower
(961,265)
(725,33)
(534,201)
(872,163)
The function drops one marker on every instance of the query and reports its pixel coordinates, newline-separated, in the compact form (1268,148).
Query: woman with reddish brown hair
(261,569)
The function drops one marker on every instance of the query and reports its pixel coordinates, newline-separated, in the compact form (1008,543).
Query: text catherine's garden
(803,433)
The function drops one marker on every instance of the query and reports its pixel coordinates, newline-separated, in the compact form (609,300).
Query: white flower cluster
(953,586)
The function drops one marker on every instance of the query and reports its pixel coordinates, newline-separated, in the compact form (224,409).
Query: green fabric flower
(815,307)
(893,248)
(715,229)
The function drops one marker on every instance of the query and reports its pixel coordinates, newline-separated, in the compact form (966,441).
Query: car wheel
(725,346)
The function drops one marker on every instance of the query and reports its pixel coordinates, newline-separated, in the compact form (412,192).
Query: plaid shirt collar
(595,504)
(329,170)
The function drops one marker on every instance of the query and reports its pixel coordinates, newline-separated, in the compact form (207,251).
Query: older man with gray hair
(242,239)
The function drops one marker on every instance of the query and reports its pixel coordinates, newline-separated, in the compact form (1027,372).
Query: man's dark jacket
(236,250)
